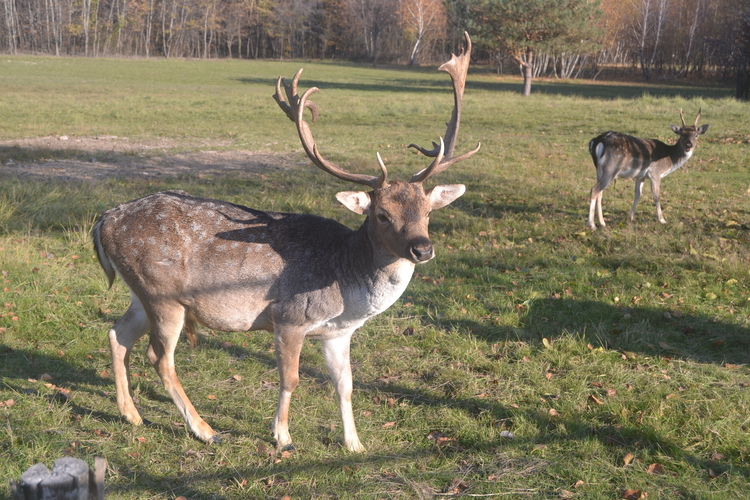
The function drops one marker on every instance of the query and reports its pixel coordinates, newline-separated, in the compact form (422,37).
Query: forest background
(707,40)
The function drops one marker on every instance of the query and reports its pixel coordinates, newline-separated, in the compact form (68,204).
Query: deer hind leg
(122,337)
(165,333)
(656,192)
(596,202)
(191,333)
(636,197)
(336,353)
(288,344)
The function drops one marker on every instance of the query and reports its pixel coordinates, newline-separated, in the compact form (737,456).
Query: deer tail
(104,261)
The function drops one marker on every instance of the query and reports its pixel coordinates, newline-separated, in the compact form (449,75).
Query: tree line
(658,39)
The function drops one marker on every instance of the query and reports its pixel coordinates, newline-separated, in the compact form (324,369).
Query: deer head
(397,212)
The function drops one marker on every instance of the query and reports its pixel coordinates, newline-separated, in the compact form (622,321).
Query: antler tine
(425,173)
(294,110)
(698,117)
(457,67)
(683,119)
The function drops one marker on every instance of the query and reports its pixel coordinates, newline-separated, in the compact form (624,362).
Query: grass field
(532,359)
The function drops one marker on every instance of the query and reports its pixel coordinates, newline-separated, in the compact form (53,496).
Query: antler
(696,118)
(294,110)
(457,67)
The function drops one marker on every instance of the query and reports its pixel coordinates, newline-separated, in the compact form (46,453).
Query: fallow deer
(188,260)
(620,155)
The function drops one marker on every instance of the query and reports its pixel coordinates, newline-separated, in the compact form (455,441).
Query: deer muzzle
(421,250)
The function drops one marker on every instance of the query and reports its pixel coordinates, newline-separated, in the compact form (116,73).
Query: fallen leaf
(46,377)
(566,494)
(546,343)
(388,425)
(655,469)
(611,393)
(440,438)
(408,331)
(211,396)
(539,447)
(634,494)
(456,487)
(553,412)
(712,474)
(596,400)
(141,439)
(7,404)
(627,458)
(579,483)
(548,375)
(237,377)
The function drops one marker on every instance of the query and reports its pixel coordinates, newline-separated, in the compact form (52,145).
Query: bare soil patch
(91,158)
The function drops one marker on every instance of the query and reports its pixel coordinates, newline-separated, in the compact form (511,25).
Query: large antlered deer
(620,155)
(188,260)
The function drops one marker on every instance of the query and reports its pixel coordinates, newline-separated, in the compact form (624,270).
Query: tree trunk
(528,71)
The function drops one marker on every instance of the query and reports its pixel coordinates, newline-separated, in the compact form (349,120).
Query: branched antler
(294,109)
(294,106)
(457,67)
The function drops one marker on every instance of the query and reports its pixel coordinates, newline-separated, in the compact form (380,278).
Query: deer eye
(383,218)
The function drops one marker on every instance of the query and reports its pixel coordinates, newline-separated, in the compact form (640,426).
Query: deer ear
(356,201)
(677,130)
(703,129)
(441,196)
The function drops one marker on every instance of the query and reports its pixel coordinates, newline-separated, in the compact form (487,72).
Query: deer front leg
(656,192)
(165,333)
(122,337)
(336,352)
(638,191)
(288,344)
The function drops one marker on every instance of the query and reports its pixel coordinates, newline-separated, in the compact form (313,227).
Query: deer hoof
(355,447)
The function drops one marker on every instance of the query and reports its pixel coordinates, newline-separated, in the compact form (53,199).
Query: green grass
(636,335)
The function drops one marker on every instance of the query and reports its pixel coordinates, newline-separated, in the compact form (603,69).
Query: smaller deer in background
(619,155)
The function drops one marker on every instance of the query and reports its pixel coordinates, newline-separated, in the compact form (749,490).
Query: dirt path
(90,158)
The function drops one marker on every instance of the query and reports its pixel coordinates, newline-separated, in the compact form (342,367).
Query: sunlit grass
(584,347)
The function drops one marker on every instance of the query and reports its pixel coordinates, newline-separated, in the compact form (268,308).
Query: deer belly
(235,313)
(633,171)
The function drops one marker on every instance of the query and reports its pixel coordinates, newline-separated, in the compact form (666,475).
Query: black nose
(421,250)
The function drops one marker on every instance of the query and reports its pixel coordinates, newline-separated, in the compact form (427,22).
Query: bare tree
(422,19)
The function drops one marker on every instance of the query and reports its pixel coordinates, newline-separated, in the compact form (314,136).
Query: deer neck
(678,157)
(371,278)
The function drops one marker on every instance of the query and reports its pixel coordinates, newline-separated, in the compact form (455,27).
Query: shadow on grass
(284,477)
(279,478)
(586,90)
(643,330)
